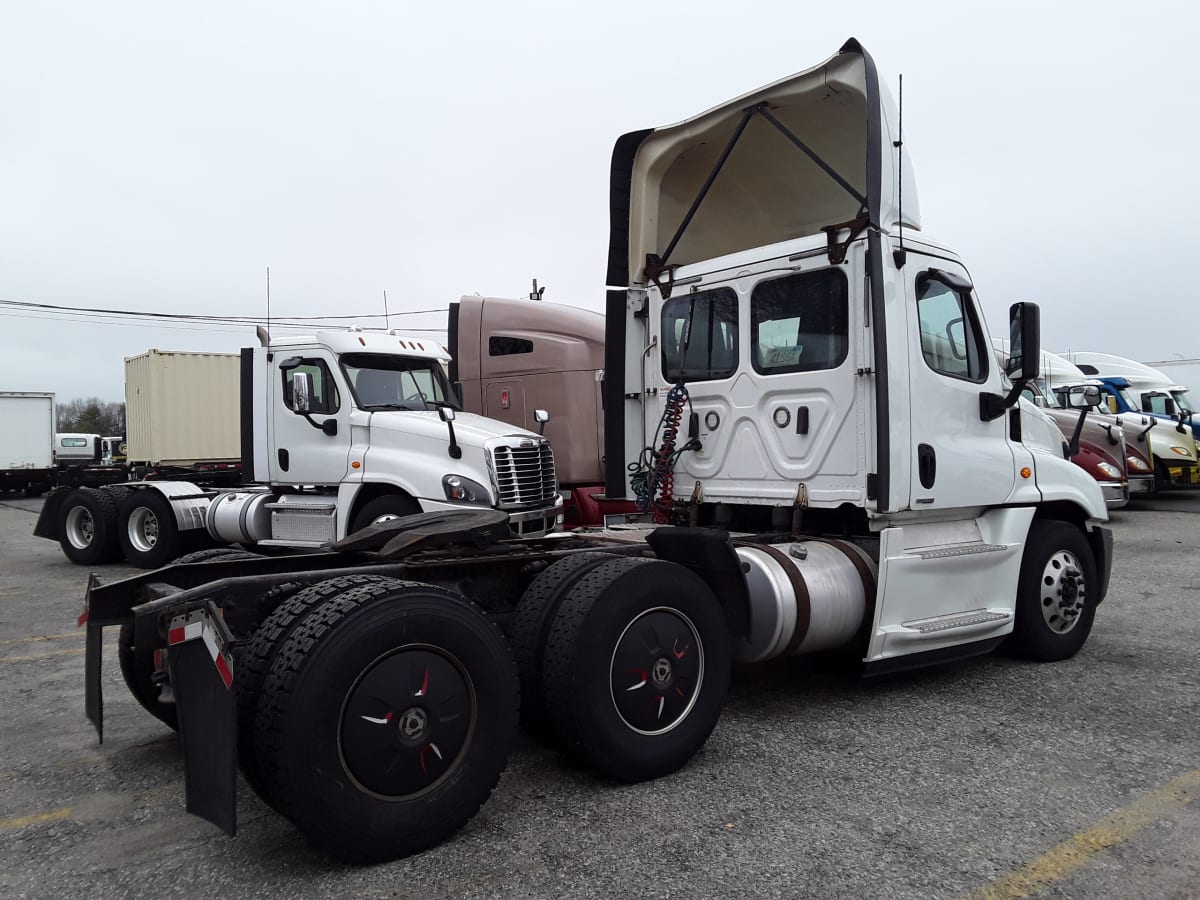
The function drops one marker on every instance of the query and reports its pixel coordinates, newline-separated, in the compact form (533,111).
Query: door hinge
(866,371)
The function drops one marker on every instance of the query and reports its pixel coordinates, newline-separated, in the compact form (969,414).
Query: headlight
(1136,464)
(464,490)
(1109,469)
(1182,451)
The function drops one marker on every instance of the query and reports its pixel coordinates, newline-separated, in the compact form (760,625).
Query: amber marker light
(356,464)
(1026,472)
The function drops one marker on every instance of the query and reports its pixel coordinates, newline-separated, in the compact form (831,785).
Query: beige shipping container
(182,408)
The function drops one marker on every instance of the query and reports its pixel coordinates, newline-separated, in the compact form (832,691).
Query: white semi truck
(796,382)
(338,430)
(27,441)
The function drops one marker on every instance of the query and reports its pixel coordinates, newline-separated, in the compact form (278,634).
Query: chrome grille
(523,472)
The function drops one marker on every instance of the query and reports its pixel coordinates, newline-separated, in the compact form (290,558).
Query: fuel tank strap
(799,588)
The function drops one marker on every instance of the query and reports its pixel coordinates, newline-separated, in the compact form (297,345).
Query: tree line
(91,415)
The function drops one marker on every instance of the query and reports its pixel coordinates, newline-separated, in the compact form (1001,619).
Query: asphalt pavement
(993,777)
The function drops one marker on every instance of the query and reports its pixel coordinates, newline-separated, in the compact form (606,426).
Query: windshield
(382,381)
(1048,397)
(1181,401)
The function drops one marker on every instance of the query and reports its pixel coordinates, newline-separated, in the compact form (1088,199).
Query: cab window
(324,400)
(798,323)
(951,338)
(700,336)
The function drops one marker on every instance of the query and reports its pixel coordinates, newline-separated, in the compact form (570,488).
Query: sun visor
(785,161)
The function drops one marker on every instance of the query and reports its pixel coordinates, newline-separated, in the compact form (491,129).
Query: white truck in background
(792,374)
(333,432)
(26,441)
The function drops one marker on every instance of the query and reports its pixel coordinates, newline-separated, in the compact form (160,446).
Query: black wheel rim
(406,722)
(657,671)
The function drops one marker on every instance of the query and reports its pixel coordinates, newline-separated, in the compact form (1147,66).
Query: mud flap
(201,669)
(93,696)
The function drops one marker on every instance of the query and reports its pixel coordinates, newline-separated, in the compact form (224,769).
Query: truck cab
(788,352)
(350,428)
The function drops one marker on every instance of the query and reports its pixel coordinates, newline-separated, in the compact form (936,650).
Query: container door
(957,459)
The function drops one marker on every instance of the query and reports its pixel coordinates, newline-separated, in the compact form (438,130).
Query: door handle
(801,420)
(926,465)
(283,459)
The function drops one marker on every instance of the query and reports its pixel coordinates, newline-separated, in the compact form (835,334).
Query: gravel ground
(934,784)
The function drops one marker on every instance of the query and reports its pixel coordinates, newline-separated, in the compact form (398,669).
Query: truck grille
(522,471)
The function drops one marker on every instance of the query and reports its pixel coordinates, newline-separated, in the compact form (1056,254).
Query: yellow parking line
(43,637)
(56,815)
(1077,850)
(75,651)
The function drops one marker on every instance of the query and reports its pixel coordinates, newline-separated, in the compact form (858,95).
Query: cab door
(769,358)
(302,451)
(957,459)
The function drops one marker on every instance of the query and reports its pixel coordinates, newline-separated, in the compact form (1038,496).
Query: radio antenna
(268,299)
(387,324)
(900,162)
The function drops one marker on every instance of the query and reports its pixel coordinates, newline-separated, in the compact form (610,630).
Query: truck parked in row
(336,431)
(1114,451)
(26,441)
(512,357)
(1132,387)
(799,387)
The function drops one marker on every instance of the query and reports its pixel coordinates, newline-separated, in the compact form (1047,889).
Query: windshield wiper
(376,407)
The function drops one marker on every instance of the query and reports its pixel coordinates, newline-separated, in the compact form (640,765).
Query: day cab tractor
(798,388)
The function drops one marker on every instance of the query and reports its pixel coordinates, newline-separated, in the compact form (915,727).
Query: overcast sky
(160,157)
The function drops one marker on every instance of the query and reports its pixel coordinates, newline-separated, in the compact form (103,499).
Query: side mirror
(302,390)
(446,414)
(541,416)
(1083,396)
(1024,342)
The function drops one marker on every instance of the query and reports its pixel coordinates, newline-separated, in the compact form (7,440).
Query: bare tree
(91,415)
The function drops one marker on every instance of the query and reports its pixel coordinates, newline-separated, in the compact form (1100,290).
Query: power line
(208,318)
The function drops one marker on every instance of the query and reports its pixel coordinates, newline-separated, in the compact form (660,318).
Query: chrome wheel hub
(1063,592)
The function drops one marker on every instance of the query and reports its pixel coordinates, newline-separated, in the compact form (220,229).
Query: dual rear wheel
(376,714)
(624,662)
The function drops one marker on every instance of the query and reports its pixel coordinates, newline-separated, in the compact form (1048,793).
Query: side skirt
(931,657)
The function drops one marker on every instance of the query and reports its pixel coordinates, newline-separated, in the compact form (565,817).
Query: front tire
(384,509)
(637,668)
(1057,593)
(386,719)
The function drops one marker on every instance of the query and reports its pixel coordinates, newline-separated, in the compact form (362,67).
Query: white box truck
(26,441)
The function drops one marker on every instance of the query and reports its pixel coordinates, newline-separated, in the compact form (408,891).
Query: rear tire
(530,626)
(148,533)
(386,719)
(137,668)
(1056,603)
(637,668)
(89,527)
(255,662)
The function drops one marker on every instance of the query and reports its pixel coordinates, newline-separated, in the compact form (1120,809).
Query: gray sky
(157,157)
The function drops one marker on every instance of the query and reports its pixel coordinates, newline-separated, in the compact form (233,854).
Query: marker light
(1026,472)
